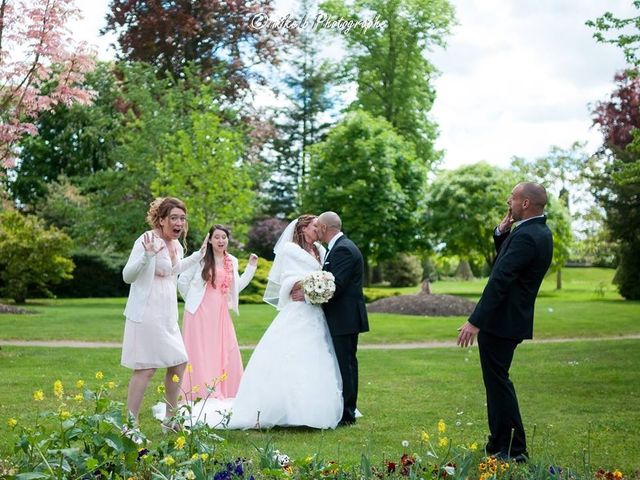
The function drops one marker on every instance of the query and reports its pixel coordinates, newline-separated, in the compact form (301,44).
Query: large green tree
(463,205)
(390,65)
(371,177)
(302,123)
(616,170)
(203,166)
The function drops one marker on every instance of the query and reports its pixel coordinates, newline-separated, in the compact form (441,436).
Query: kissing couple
(304,370)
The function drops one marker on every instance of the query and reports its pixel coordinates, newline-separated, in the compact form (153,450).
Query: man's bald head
(331,220)
(329,224)
(536,194)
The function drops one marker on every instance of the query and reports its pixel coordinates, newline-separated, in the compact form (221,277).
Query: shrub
(403,270)
(32,257)
(97,274)
(255,290)
(264,234)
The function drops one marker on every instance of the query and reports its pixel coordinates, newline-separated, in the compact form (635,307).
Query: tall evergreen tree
(303,123)
(390,66)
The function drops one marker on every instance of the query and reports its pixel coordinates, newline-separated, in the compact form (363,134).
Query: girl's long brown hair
(209,265)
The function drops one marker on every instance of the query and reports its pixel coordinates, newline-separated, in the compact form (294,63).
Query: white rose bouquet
(319,286)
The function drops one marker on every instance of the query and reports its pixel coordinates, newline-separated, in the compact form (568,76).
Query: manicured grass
(579,310)
(564,389)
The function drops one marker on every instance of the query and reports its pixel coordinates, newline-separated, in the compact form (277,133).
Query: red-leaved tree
(40,66)
(223,38)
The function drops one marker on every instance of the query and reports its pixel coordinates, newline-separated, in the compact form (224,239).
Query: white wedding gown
(292,378)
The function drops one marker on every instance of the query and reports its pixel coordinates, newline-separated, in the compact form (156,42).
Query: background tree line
(174,115)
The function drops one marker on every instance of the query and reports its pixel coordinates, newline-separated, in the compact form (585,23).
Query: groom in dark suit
(504,315)
(346,311)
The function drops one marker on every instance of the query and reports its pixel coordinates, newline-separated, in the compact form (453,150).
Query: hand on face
(506,222)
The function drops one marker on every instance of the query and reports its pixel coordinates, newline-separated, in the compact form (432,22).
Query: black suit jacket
(346,312)
(507,303)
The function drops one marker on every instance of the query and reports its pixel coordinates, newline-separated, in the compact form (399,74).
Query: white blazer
(192,286)
(139,272)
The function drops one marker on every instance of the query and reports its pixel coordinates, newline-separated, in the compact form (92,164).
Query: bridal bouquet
(319,286)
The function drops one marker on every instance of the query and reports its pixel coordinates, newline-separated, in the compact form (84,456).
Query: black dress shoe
(347,421)
(518,458)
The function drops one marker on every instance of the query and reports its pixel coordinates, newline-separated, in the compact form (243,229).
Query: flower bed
(88,437)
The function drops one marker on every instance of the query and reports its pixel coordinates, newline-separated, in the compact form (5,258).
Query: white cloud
(517,77)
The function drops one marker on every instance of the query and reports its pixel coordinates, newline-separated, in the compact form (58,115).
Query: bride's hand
(297,293)
(253,259)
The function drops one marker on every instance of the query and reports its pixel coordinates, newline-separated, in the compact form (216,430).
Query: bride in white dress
(292,378)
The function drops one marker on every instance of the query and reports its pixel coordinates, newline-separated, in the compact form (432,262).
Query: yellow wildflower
(223,377)
(180,442)
(443,442)
(111,385)
(12,422)
(504,466)
(80,384)
(442,427)
(99,375)
(195,389)
(617,474)
(58,389)
(195,457)
(160,388)
(175,378)
(38,395)
(425,437)
(482,466)
(64,415)
(473,446)
(189,368)
(204,457)
(78,398)
(190,475)
(168,460)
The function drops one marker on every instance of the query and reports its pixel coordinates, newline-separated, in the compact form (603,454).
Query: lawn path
(362,346)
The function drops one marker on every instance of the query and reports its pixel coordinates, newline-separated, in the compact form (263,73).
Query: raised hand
(149,243)
(253,259)
(203,247)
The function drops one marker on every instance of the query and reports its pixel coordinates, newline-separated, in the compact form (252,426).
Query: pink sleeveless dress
(211,344)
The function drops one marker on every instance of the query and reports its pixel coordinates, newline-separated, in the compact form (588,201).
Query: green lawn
(576,311)
(564,389)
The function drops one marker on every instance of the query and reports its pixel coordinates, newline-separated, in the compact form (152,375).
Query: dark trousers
(503,412)
(346,347)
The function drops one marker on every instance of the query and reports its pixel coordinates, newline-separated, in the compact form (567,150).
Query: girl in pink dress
(210,290)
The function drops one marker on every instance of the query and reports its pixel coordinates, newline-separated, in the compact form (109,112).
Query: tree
(460,204)
(203,166)
(561,172)
(390,64)
(371,177)
(627,40)
(40,67)
(615,179)
(219,38)
(74,141)
(301,124)
(32,257)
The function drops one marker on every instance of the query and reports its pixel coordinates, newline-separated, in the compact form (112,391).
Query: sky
(517,76)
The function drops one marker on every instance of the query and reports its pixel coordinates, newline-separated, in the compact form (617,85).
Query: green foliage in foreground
(576,396)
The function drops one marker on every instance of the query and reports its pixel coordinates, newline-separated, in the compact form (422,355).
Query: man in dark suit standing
(504,315)
(346,311)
